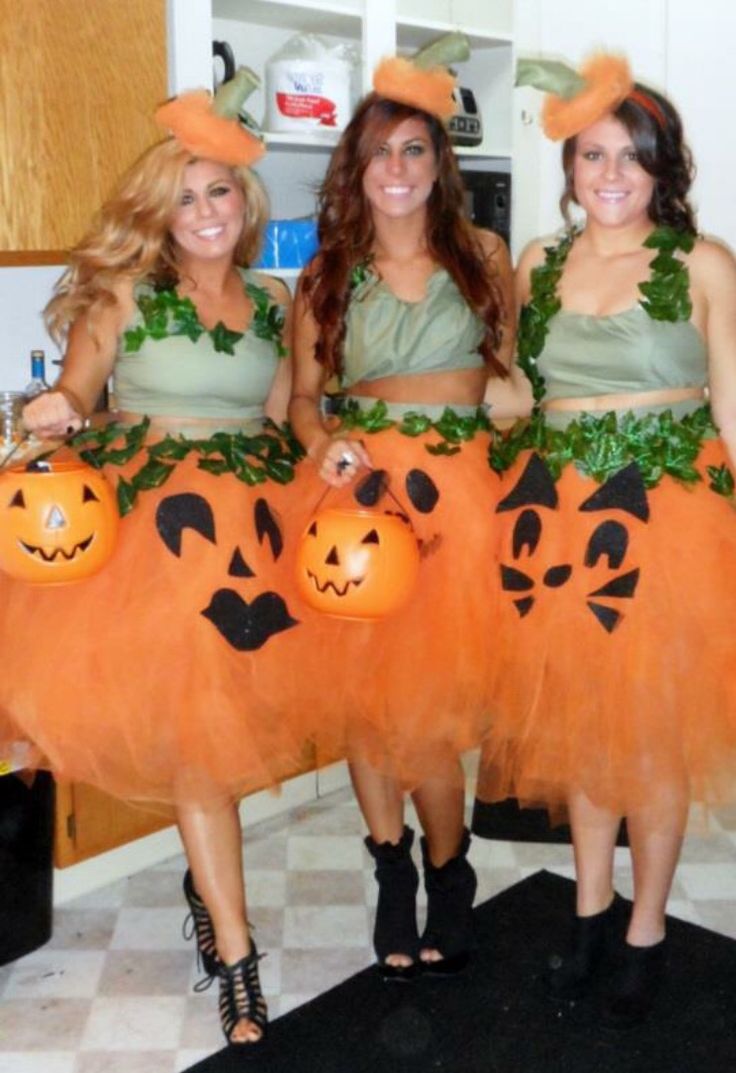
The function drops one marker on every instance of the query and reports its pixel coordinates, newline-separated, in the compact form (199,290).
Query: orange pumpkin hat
(576,99)
(210,127)
(424,82)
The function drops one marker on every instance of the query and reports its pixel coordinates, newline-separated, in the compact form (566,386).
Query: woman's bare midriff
(461,387)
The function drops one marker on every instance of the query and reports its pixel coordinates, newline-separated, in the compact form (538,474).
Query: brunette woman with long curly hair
(407,307)
(616,691)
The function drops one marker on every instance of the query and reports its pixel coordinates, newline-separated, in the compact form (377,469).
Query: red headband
(649,104)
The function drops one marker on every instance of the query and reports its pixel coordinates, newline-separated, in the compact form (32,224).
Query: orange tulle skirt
(615,668)
(415,684)
(188,668)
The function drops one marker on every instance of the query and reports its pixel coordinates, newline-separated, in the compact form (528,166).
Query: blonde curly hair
(129,238)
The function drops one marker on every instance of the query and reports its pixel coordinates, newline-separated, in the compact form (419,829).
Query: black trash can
(26,862)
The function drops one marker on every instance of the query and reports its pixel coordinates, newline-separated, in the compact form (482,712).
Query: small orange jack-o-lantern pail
(356,563)
(58,521)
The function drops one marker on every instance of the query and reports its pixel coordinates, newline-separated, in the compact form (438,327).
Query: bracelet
(73,399)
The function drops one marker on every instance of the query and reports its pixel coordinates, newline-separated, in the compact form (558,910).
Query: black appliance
(488,200)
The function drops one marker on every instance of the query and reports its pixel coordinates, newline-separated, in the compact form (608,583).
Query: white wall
(700,77)
(23,294)
(682,48)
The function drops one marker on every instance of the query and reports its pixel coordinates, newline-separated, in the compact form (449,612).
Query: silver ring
(347,458)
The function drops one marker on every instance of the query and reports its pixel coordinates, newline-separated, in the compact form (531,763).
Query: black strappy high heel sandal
(450,893)
(241,997)
(395,931)
(199,922)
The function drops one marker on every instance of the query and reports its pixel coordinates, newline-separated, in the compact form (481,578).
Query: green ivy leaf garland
(359,275)
(269,455)
(268,317)
(536,314)
(452,428)
(721,480)
(601,444)
(165,314)
(665,294)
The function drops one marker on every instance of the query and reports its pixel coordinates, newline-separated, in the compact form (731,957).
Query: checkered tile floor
(112,991)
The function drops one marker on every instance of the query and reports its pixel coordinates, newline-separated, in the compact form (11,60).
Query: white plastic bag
(309,84)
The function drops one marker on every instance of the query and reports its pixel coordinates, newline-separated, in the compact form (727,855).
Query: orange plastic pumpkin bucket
(58,521)
(356,563)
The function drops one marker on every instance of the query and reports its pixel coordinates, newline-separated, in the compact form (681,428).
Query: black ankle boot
(395,931)
(450,893)
(593,937)
(635,985)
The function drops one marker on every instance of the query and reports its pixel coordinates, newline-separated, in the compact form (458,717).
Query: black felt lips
(247,626)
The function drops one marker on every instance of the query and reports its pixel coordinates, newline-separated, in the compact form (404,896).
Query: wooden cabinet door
(89,822)
(79,80)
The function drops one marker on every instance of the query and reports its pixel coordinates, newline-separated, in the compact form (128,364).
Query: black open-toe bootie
(450,893)
(635,985)
(395,930)
(199,923)
(241,997)
(593,939)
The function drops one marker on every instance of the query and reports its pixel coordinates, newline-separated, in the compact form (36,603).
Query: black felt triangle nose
(333,558)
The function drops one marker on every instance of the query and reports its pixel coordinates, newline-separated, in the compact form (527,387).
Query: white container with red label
(308,85)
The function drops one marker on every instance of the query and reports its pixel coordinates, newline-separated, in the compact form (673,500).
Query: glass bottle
(38,375)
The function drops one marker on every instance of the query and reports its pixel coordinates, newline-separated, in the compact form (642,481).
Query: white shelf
(414,33)
(302,140)
(334,19)
(482,152)
(280,273)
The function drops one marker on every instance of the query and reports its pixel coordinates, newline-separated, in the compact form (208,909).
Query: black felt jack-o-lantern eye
(245,625)
(421,492)
(534,494)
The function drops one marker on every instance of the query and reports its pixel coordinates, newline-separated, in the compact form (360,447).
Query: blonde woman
(162,679)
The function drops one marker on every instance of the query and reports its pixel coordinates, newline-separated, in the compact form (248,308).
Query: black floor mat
(497,1017)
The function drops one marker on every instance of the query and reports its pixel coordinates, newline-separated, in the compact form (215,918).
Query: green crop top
(621,354)
(174,376)
(387,336)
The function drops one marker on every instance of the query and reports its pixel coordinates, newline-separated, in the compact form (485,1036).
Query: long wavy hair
(662,153)
(130,240)
(347,233)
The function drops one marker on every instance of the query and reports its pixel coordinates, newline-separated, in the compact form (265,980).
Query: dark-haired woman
(615,693)
(404,304)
